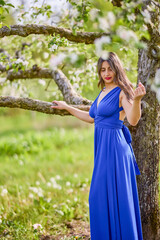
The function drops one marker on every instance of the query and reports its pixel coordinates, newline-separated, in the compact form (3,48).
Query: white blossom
(103,23)
(53,47)
(99,46)
(131,17)
(56,60)
(93,13)
(73,57)
(146,15)
(74,12)
(126,34)
(42,82)
(111,18)
(46,55)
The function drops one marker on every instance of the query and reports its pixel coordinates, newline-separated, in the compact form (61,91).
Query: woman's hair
(120,76)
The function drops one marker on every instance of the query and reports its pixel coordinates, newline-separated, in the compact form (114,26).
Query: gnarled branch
(35,105)
(25,30)
(63,83)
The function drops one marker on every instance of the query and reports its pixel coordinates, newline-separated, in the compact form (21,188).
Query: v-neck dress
(113,198)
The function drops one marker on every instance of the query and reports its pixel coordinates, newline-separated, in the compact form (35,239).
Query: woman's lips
(108,78)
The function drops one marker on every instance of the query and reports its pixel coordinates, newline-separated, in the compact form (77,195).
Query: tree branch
(36,105)
(63,83)
(25,30)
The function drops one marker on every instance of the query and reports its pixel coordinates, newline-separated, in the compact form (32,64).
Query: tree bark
(28,29)
(36,105)
(146,145)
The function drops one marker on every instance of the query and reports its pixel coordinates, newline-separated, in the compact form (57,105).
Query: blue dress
(113,198)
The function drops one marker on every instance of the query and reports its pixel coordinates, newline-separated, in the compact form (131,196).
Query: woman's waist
(104,124)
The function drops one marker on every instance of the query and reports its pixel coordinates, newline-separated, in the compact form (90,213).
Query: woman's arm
(82,115)
(133,110)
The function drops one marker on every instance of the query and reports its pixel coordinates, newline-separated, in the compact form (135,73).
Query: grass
(46,164)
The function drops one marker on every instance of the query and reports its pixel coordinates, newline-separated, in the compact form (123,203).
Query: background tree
(65,50)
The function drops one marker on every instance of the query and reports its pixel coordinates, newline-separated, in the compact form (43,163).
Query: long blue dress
(113,198)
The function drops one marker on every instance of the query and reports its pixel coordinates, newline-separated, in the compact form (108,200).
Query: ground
(76,228)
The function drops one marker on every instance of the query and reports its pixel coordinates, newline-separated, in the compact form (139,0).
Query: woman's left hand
(139,92)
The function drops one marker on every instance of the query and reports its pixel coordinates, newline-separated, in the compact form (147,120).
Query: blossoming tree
(64,51)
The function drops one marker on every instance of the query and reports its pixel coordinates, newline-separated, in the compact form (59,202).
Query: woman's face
(106,73)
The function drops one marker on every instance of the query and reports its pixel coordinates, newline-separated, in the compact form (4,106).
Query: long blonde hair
(120,78)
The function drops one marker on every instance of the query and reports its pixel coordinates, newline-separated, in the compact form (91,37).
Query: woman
(113,197)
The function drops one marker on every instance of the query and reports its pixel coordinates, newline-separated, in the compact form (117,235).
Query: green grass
(46,164)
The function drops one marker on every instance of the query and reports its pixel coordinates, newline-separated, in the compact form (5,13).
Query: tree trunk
(146,145)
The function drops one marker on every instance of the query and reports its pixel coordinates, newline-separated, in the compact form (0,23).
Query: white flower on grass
(58,177)
(70,190)
(37,183)
(0,221)
(31,195)
(55,205)
(4,192)
(54,183)
(49,184)
(68,183)
(157,77)
(38,191)
(60,212)
(37,226)
(75,175)
(49,199)
(75,199)
(21,162)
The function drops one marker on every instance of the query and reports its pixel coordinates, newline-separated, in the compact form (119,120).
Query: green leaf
(2,2)
(1,10)
(11,5)
(7,10)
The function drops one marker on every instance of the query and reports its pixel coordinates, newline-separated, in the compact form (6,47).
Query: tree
(120,25)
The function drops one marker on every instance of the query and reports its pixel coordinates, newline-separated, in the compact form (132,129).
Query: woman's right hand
(60,104)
